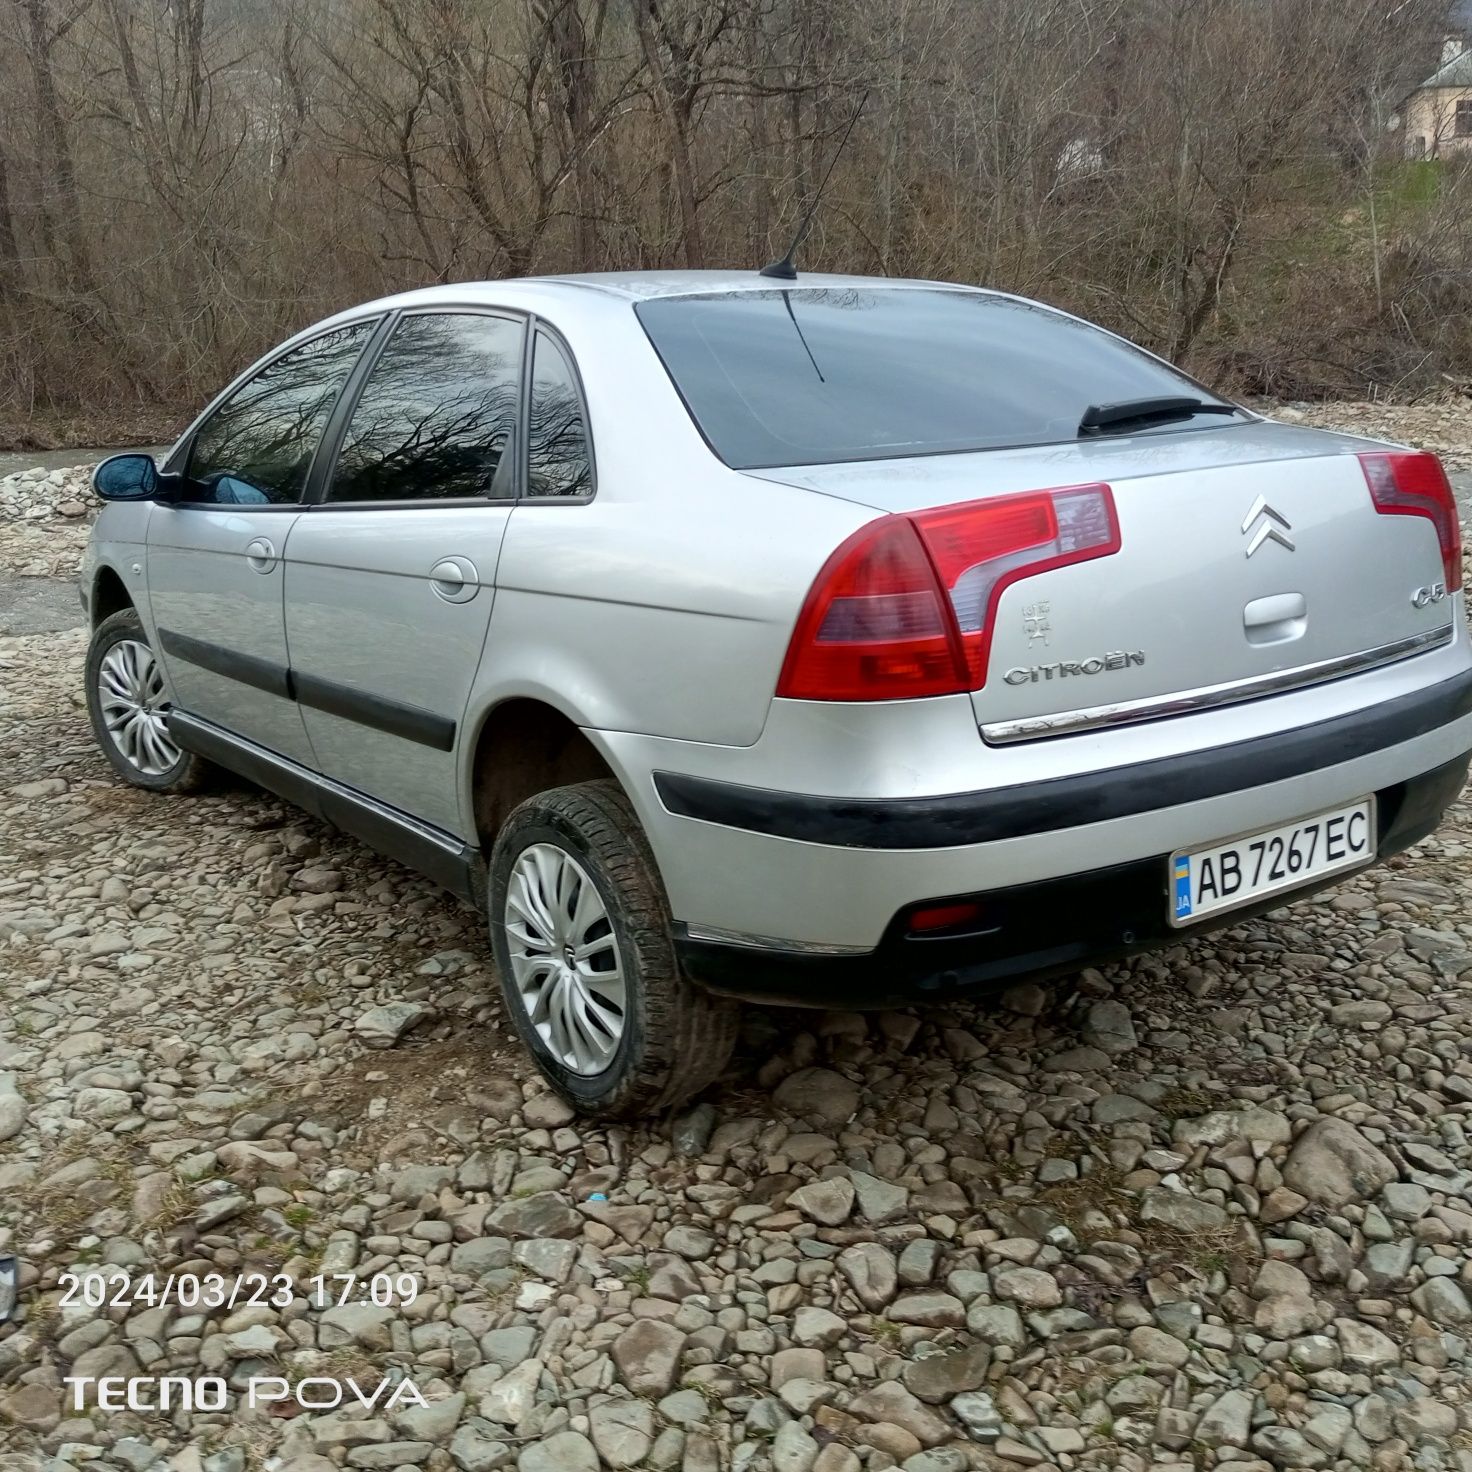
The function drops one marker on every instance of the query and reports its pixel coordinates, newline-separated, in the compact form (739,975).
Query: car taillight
(874,626)
(905,606)
(1413,483)
(984,546)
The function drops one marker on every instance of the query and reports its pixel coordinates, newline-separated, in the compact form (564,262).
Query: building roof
(1456,73)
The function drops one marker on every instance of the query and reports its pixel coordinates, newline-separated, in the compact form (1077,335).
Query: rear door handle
(261,554)
(454,579)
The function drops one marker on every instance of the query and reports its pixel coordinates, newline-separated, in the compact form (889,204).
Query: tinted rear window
(810,377)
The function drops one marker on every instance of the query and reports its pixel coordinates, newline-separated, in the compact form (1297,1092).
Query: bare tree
(183,184)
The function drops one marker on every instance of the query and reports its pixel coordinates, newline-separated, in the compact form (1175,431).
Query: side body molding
(447,860)
(425,727)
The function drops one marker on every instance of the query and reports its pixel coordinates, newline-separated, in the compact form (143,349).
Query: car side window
(437,416)
(257,447)
(559,462)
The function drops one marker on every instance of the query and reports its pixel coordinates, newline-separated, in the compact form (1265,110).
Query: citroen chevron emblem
(1272,526)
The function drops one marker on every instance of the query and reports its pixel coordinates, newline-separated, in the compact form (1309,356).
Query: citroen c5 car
(835,642)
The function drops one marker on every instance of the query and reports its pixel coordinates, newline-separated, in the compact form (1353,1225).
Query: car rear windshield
(816,375)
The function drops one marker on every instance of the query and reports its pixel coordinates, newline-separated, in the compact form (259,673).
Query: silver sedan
(831,641)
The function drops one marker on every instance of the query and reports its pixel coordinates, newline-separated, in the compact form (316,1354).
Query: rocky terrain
(1444,426)
(1208,1209)
(45,516)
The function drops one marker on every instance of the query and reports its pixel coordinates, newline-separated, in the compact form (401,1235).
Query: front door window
(257,447)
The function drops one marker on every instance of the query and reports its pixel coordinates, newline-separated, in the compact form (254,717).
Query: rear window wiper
(1130,413)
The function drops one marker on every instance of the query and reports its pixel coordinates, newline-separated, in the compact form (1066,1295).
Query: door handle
(454,579)
(261,554)
(1276,618)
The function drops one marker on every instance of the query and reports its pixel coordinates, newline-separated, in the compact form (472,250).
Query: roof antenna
(784,270)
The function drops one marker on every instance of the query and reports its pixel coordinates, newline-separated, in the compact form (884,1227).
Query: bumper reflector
(943,917)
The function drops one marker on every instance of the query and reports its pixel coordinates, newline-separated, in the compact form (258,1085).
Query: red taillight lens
(1413,483)
(904,608)
(982,547)
(874,626)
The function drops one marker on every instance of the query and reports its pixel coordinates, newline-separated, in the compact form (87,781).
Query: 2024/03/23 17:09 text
(117,1288)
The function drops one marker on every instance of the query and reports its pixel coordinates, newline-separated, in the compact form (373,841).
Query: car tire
(574,896)
(127,699)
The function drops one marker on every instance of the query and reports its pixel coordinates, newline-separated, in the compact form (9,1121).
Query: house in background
(1437,116)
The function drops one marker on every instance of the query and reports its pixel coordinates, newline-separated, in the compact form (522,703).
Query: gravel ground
(1212,1207)
(1445,426)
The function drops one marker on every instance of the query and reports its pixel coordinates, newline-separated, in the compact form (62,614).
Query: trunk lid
(1252,560)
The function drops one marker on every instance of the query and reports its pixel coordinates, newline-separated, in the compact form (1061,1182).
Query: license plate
(1243,870)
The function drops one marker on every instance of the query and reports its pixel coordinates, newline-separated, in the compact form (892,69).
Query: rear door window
(819,375)
(437,417)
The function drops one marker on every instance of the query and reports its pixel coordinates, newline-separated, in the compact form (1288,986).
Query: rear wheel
(581,932)
(128,703)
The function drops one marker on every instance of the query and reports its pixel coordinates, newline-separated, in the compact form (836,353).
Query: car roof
(642,285)
(632,286)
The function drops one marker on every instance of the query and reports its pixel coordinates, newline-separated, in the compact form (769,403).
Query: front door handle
(454,579)
(261,554)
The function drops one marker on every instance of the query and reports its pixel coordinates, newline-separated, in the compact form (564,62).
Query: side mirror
(126,478)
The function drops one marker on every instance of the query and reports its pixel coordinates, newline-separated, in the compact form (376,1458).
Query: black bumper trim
(959,819)
(1049,928)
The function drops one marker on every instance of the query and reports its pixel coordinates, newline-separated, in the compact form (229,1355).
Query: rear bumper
(962,819)
(929,811)
(1047,927)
